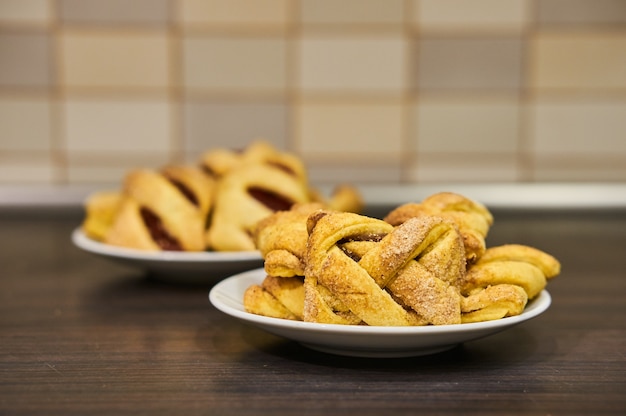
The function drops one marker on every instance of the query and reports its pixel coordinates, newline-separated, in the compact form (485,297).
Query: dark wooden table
(82,335)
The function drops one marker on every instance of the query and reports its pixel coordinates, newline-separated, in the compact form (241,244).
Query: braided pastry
(472,218)
(162,210)
(386,285)
(364,271)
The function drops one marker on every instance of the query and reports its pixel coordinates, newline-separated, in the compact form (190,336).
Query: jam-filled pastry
(501,282)
(218,162)
(344,198)
(246,195)
(162,211)
(282,238)
(406,275)
(472,218)
(277,297)
(100,208)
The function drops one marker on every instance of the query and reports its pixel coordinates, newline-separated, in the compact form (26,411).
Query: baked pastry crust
(277,297)
(472,218)
(247,195)
(282,238)
(100,210)
(364,271)
(386,286)
(156,214)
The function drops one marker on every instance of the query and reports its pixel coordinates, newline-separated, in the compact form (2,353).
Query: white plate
(197,267)
(362,341)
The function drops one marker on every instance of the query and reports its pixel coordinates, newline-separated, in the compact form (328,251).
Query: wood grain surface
(82,335)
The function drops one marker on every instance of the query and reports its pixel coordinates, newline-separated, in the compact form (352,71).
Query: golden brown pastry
(504,279)
(282,240)
(162,210)
(364,271)
(246,195)
(386,286)
(277,297)
(472,218)
(345,198)
(219,161)
(101,208)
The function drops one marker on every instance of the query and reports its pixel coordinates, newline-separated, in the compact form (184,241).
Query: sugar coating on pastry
(472,218)
(409,269)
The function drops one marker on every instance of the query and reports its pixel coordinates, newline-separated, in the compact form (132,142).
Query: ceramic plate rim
(81,240)
(536,307)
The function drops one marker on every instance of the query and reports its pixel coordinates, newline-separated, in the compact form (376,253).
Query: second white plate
(362,341)
(196,267)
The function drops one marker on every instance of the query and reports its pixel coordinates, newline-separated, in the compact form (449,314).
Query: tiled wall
(369,91)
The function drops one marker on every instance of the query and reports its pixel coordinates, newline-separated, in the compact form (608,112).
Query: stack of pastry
(213,205)
(423,264)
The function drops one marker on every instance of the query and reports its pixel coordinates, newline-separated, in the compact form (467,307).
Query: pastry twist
(472,218)
(502,281)
(393,276)
(162,210)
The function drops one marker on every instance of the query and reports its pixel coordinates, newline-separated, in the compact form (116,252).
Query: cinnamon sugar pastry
(406,278)
(472,218)
(504,279)
(162,210)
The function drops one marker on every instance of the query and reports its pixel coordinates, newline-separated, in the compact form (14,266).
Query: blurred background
(367,91)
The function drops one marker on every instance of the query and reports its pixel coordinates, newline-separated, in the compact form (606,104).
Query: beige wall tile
(106,125)
(234,12)
(240,63)
(580,169)
(25,11)
(579,127)
(341,172)
(344,64)
(465,125)
(25,124)
(475,15)
(350,129)
(579,61)
(460,169)
(109,169)
(115,59)
(580,12)
(25,59)
(233,124)
(31,170)
(152,12)
(483,63)
(352,12)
